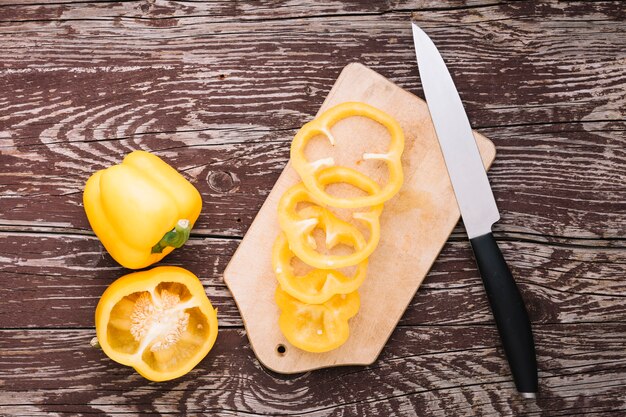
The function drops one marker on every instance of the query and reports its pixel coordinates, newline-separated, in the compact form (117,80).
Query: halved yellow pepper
(316,327)
(321,126)
(141,209)
(159,321)
(317,286)
(298,227)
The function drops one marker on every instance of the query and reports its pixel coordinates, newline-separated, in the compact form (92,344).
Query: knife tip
(419,36)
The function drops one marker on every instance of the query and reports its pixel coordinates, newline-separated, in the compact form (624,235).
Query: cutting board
(415,224)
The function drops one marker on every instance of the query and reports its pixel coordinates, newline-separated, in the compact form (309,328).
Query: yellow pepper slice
(316,327)
(337,231)
(159,321)
(298,227)
(321,126)
(141,209)
(317,286)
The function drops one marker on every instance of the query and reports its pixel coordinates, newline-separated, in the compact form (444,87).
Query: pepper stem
(175,238)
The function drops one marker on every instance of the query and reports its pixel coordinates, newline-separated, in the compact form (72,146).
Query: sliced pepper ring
(317,286)
(337,231)
(159,321)
(321,126)
(298,225)
(316,327)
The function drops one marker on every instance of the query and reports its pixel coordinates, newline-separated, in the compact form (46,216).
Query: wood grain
(234,179)
(197,106)
(56,281)
(422,371)
(218,89)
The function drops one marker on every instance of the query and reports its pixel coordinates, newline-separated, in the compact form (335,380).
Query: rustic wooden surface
(218,89)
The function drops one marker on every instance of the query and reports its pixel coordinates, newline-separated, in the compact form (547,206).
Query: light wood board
(415,224)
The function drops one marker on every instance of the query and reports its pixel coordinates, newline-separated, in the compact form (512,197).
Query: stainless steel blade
(466,169)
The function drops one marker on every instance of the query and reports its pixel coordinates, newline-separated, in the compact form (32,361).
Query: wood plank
(508,60)
(221,10)
(55,281)
(24,10)
(435,371)
(537,178)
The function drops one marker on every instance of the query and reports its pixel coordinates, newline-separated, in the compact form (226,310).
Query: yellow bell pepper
(141,209)
(316,327)
(159,321)
(321,126)
(318,285)
(298,228)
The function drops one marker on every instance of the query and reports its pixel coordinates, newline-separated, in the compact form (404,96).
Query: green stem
(175,238)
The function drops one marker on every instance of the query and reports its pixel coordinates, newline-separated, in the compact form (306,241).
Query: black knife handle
(510,313)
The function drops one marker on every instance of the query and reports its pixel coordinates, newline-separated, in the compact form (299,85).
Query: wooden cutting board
(415,224)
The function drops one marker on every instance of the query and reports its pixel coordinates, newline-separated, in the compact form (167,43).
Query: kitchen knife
(479,211)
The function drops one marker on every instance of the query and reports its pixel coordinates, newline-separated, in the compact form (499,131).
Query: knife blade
(478,210)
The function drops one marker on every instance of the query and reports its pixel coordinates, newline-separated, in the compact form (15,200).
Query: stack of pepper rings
(315,307)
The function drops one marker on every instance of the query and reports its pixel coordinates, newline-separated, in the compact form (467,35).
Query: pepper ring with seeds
(309,171)
(318,285)
(159,321)
(298,224)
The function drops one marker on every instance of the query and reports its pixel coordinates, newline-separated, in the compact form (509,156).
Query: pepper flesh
(159,321)
(336,231)
(318,285)
(132,206)
(298,227)
(321,126)
(316,327)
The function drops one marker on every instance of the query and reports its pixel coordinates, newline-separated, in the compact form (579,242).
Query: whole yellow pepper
(141,209)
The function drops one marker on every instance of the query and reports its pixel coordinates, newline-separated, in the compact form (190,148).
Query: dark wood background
(218,89)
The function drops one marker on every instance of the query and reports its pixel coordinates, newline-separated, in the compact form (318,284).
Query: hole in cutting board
(281,350)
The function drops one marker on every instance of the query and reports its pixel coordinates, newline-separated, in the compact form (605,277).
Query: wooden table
(218,89)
